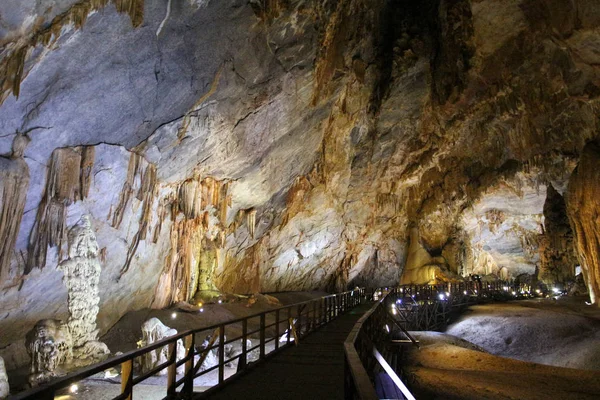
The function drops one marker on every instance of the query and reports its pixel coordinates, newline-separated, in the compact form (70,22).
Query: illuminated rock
(49,345)
(153,330)
(4,388)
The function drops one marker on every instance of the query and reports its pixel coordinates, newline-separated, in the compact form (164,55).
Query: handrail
(360,347)
(324,310)
(357,381)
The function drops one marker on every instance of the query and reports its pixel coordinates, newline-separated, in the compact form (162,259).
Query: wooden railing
(294,321)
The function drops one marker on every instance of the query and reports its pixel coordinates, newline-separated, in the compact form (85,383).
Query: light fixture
(220,301)
(441,296)
(201,310)
(73,388)
(174,315)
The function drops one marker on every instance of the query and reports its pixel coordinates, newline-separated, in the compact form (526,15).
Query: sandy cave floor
(471,360)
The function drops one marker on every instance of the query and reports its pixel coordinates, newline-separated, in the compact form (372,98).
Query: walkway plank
(312,370)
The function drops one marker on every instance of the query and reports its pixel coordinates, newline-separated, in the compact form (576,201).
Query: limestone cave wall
(248,146)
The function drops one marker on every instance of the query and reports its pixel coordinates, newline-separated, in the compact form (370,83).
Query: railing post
(221,353)
(314,318)
(290,323)
(244,356)
(276,329)
(172,368)
(262,336)
(299,326)
(127,378)
(188,386)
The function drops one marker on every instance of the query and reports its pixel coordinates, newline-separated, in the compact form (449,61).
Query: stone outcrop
(583,210)
(153,331)
(50,346)
(557,248)
(4,388)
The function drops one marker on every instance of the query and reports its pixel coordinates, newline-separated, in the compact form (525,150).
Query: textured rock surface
(281,145)
(49,345)
(153,331)
(4,388)
(81,277)
(582,206)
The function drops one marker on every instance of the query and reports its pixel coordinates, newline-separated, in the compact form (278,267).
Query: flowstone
(153,331)
(4,388)
(49,344)
(81,277)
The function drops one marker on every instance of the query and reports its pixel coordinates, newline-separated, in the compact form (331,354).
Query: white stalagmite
(49,345)
(154,330)
(81,277)
(4,389)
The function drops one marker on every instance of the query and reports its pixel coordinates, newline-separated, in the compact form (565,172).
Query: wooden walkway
(312,370)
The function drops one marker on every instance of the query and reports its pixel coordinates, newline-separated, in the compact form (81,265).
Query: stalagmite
(557,255)
(14,181)
(4,388)
(81,277)
(153,330)
(49,344)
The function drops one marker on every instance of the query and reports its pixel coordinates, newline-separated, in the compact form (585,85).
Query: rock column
(81,277)
(583,208)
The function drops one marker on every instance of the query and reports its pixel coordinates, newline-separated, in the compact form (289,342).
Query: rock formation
(4,388)
(557,251)
(153,331)
(81,277)
(583,208)
(420,267)
(49,345)
(14,181)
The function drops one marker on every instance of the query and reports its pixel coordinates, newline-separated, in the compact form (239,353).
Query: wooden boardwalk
(312,370)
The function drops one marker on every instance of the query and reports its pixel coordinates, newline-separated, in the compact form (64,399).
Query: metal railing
(294,321)
(375,344)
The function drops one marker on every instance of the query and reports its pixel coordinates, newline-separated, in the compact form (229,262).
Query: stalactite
(14,181)
(141,171)
(127,190)
(251,221)
(12,64)
(63,187)
(195,238)
(87,162)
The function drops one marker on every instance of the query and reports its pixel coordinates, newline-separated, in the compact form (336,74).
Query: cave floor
(532,349)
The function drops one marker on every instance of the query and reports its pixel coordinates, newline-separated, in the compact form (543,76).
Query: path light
(441,296)
(220,301)
(387,328)
(200,304)
(174,315)
(555,290)
(201,310)
(465,292)
(514,293)
(447,294)
(73,388)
